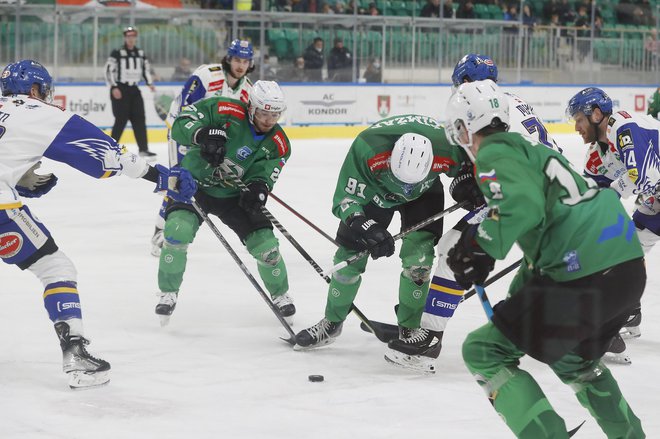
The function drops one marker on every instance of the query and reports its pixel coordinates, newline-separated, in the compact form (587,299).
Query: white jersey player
(444,292)
(24,240)
(228,79)
(623,155)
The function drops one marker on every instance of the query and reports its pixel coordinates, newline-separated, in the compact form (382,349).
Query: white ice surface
(219,370)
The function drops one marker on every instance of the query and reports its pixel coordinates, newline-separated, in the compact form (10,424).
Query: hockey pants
(520,402)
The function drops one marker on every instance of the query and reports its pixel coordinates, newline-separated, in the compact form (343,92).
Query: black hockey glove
(212,143)
(374,236)
(464,188)
(469,262)
(33,185)
(254,199)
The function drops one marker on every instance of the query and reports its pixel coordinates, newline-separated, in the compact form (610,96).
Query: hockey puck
(315,378)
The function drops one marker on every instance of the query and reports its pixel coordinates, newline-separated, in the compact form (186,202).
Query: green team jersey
(654,104)
(365,175)
(252,156)
(566,227)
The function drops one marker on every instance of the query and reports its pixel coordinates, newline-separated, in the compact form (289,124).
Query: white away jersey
(523,120)
(206,81)
(31,129)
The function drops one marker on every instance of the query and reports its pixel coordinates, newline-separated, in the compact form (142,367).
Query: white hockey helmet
(472,107)
(266,96)
(411,159)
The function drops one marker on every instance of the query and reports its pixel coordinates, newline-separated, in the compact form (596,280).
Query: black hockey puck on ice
(315,378)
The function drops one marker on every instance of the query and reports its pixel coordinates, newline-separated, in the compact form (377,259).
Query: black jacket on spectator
(465,9)
(340,65)
(314,63)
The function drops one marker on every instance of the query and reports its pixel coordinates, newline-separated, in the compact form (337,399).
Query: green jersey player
(582,273)
(392,166)
(248,139)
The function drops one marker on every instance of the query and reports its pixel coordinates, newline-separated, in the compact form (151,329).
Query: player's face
(584,128)
(239,66)
(264,121)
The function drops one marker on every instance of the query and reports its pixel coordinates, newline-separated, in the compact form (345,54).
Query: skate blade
(630,333)
(81,380)
(410,362)
(289,319)
(155,252)
(164,320)
(613,358)
(326,342)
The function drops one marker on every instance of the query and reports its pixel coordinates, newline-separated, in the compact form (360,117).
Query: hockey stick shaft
(236,180)
(396,237)
(305,220)
(245,270)
(485,303)
(493,278)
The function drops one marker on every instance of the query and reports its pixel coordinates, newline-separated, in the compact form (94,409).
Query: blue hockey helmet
(474,67)
(586,100)
(240,49)
(17,79)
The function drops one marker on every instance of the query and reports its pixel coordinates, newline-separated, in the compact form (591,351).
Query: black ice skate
(415,349)
(157,242)
(83,369)
(165,307)
(616,352)
(631,327)
(285,306)
(321,334)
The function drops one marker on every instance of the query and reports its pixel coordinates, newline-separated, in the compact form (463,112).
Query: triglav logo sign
(81,107)
(327,106)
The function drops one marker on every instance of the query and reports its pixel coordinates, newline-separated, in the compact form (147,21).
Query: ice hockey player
(622,155)
(582,275)
(227,78)
(24,240)
(391,166)
(248,140)
(445,293)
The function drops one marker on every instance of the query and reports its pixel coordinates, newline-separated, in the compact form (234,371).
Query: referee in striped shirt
(125,68)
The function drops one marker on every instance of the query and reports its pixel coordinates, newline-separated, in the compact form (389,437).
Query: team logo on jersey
(215,85)
(441,164)
(624,114)
(379,161)
(633,175)
(496,190)
(383,105)
(487,176)
(235,110)
(625,139)
(243,153)
(10,244)
(279,140)
(572,261)
(611,121)
(6,74)
(595,163)
(215,69)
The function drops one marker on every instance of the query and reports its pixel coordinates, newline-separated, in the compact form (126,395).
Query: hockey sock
(61,301)
(344,286)
(180,230)
(264,247)
(598,392)
(417,256)
(443,298)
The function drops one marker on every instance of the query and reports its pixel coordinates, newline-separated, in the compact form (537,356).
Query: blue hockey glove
(33,185)
(469,262)
(177,182)
(255,198)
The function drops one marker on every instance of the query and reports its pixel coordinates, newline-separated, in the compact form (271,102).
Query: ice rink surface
(219,369)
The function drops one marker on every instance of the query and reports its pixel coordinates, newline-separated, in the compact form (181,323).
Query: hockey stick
(239,183)
(396,237)
(392,331)
(485,303)
(291,340)
(305,220)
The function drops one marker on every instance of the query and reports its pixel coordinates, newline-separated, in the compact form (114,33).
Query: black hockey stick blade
(290,340)
(383,331)
(575,430)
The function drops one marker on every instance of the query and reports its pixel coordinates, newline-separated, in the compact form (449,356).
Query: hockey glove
(464,188)
(178,182)
(33,185)
(374,236)
(469,262)
(254,199)
(212,143)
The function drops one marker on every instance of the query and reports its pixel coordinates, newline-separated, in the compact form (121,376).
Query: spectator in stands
(373,9)
(550,8)
(340,7)
(352,6)
(327,9)
(652,49)
(528,18)
(465,9)
(295,72)
(183,71)
(566,13)
(583,23)
(340,63)
(314,60)
(511,13)
(448,9)
(373,73)
(269,71)
(647,13)
(431,9)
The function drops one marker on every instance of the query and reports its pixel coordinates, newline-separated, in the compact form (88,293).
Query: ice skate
(415,349)
(165,307)
(321,334)
(616,352)
(84,370)
(285,306)
(157,242)
(631,327)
